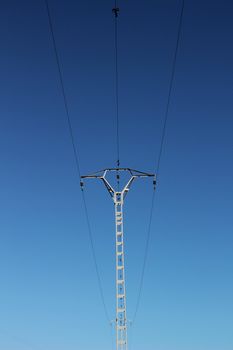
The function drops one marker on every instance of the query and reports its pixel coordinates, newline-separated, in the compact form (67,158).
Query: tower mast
(118,199)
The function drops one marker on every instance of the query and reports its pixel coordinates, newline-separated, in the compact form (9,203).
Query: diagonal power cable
(170,89)
(75,151)
(171,83)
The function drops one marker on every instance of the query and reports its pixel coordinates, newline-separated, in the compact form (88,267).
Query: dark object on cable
(115,10)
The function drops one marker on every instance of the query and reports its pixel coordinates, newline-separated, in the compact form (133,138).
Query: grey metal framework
(118,199)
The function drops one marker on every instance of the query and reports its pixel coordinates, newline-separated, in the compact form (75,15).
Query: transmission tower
(118,197)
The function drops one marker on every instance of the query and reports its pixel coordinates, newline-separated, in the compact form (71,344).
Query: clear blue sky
(49,297)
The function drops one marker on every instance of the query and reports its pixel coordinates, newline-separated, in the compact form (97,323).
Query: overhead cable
(75,151)
(170,89)
(115,11)
(171,83)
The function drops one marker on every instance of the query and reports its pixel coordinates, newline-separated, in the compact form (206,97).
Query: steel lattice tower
(118,199)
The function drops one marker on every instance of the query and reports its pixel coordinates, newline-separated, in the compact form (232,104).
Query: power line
(170,88)
(159,158)
(145,257)
(63,89)
(95,260)
(75,151)
(115,11)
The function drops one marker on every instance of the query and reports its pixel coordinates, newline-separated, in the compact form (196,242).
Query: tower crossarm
(102,174)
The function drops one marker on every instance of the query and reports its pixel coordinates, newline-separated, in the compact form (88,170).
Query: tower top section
(102,175)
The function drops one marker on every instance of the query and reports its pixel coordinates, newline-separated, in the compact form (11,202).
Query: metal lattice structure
(118,197)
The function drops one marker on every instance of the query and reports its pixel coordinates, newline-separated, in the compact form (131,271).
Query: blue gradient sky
(49,297)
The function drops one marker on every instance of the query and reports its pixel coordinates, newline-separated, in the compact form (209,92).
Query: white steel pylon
(118,199)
